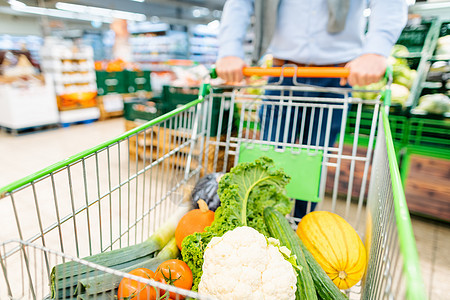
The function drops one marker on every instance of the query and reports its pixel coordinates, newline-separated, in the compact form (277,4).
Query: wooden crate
(170,140)
(427,187)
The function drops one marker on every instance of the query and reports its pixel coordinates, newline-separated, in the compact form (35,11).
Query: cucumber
(280,229)
(326,289)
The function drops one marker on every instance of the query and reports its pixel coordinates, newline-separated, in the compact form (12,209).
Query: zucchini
(326,289)
(280,229)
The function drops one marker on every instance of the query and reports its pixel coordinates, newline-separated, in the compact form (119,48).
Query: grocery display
(196,183)
(428,132)
(72,71)
(27,102)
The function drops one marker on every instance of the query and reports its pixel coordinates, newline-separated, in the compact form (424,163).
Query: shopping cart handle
(321,72)
(325,72)
(290,72)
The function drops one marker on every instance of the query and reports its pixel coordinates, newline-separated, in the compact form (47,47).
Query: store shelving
(153,44)
(426,160)
(72,72)
(204,44)
(29,43)
(72,68)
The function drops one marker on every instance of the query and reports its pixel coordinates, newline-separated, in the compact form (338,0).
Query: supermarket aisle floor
(22,155)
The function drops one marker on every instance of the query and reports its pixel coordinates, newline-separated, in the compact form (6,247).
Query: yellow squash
(335,245)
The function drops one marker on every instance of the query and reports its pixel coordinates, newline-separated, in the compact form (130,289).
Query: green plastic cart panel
(303,185)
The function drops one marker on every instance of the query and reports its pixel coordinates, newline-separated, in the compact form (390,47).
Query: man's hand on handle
(229,68)
(365,69)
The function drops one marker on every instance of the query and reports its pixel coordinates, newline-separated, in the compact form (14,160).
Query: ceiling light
(196,13)
(22,7)
(98,11)
(16,3)
(138,0)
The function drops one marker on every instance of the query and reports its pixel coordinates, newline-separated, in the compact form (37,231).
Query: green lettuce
(244,193)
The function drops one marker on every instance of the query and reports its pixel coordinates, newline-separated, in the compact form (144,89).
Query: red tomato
(174,272)
(130,289)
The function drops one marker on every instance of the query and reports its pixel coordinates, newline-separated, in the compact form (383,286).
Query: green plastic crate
(398,123)
(419,40)
(175,97)
(146,110)
(429,135)
(138,81)
(445,28)
(413,37)
(111,82)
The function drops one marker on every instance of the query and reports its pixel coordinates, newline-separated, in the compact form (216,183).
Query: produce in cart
(206,189)
(130,289)
(71,278)
(244,193)
(335,245)
(244,264)
(174,272)
(194,221)
(312,278)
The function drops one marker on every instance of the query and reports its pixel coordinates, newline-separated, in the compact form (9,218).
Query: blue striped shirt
(301,30)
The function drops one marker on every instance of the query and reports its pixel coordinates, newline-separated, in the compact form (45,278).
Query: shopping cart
(117,193)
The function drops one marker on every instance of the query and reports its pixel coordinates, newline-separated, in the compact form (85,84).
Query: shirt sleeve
(235,20)
(386,22)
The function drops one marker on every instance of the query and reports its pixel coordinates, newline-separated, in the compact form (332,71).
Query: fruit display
(246,249)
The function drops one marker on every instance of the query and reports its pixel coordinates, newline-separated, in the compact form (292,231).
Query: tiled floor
(22,155)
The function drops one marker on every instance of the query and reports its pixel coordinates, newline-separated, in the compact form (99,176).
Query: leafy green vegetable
(433,103)
(399,94)
(244,194)
(359,93)
(399,51)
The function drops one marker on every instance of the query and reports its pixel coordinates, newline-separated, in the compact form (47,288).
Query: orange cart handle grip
(322,72)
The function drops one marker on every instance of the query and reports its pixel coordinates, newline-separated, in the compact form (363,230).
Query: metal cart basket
(117,193)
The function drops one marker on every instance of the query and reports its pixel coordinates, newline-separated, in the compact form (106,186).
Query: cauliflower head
(243,264)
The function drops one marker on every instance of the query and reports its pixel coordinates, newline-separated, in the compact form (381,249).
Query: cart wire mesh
(131,184)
